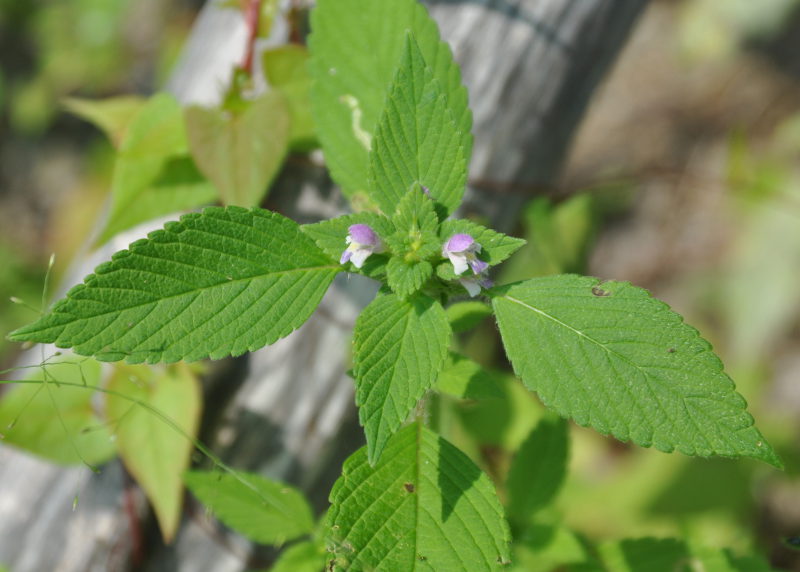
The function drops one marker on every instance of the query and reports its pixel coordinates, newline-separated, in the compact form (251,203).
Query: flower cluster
(461,249)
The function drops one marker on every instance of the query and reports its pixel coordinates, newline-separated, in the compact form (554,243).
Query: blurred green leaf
(240,152)
(153,174)
(466,315)
(155,450)
(266,511)
(463,378)
(112,115)
(545,548)
(538,469)
(58,422)
(557,238)
(301,557)
(286,69)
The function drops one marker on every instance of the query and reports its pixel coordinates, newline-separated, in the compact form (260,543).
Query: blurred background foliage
(684,179)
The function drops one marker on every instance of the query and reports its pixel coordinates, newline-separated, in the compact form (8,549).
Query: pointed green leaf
(156,452)
(112,115)
(424,506)
(286,69)
(463,378)
(264,511)
(612,357)
(214,284)
(538,469)
(417,139)
(495,246)
(240,153)
(353,62)
(57,422)
(399,347)
(153,173)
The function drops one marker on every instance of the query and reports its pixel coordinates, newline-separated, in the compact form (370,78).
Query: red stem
(252,11)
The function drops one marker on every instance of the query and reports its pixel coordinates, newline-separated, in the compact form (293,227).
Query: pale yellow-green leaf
(155,447)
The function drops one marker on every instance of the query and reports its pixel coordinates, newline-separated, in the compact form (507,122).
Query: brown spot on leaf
(597,291)
(409,487)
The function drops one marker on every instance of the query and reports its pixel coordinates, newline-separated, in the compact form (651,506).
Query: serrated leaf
(463,378)
(415,211)
(464,316)
(153,174)
(112,115)
(220,283)
(302,557)
(417,140)
(424,506)
(353,63)
(156,452)
(612,357)
(495,246)
(538,469)
(399,347)
(57,421)
(405,278)
(266,511)
(286,69)
(240,153)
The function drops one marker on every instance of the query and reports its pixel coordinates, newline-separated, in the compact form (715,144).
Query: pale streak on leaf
(363,136)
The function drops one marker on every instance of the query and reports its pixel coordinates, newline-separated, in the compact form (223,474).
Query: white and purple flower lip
(361,242)
(461,250)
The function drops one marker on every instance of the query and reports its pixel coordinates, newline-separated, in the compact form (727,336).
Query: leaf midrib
(204,289)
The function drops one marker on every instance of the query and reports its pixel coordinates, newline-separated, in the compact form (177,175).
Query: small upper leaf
(220,283)
(262,510)
(399,348)
(152,449)
(242,152)
(612,357)
(417,140)
(424,506)
(353,63)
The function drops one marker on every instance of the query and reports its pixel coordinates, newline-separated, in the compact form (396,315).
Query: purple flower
(362,241)
(461,250)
